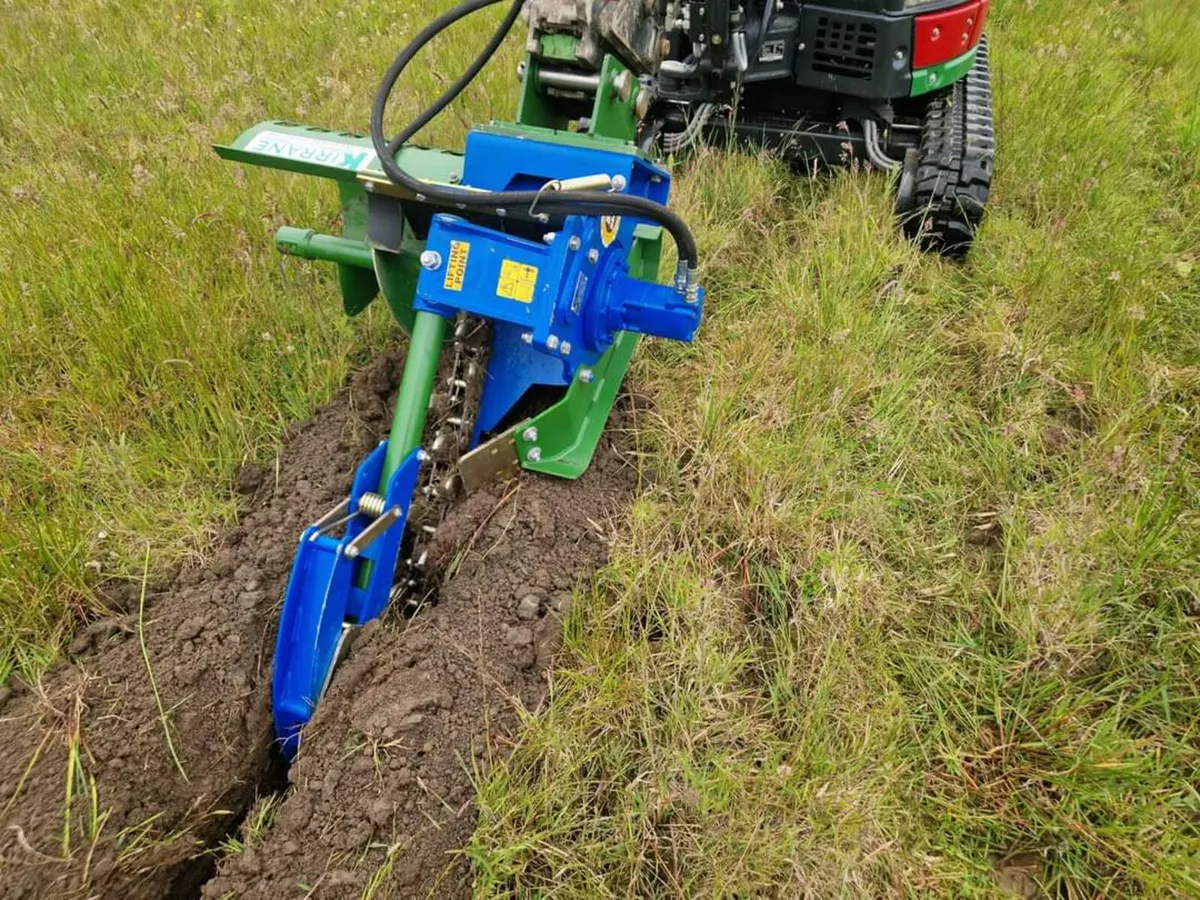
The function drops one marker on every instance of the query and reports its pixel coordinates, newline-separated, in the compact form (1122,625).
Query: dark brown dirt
(209,634)
(382,789)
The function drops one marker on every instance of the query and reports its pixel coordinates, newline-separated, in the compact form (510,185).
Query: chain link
(454,405)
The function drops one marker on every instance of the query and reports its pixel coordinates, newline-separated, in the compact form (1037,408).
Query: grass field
(910,604)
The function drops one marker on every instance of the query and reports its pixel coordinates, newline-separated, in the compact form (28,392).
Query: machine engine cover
(624,27)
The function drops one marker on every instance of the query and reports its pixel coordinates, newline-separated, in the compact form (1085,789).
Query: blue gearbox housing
(556,305)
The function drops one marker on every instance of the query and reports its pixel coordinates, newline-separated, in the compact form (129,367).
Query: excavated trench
(123,778)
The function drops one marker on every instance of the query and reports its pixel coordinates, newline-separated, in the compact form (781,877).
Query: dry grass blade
(141,632)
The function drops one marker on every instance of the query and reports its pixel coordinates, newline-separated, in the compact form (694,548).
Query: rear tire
(954,175)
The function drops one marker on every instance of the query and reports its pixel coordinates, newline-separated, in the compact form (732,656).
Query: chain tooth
(451,418)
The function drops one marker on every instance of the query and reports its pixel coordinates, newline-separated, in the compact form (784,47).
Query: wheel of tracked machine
(942,205)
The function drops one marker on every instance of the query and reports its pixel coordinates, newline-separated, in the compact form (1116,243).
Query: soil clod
(382,787)
(142,813)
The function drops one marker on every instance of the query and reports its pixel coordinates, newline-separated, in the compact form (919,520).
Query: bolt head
(641,106)
(431,259)
(529,434)
(587,376)
(619,182)
(549,236)
(899,54)
(552,342)
(534,454)
(935,34)
(717,40)
(623,82)
(527,337)
(565,349)
(593,255)
(574,243)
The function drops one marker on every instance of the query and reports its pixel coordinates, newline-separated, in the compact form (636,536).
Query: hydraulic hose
(765,25)
(500,202)
(448,96)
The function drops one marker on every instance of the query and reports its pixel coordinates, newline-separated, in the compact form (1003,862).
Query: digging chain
(452,411)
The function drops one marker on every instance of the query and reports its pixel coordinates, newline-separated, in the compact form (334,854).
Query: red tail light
(942,36)
(983,14)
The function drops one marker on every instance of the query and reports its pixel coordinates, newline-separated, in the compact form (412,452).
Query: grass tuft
(910,606)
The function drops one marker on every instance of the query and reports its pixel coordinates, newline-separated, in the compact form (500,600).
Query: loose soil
(382,788)
(92,801)
(95,801)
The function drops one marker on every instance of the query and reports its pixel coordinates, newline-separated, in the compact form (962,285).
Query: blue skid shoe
(324,597)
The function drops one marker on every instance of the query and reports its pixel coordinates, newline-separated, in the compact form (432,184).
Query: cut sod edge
(207,636)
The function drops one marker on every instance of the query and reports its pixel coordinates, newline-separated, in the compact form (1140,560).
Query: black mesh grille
(844,48)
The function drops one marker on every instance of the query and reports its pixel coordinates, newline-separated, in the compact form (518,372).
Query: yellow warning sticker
(456,268)
(609,226)
(517,281)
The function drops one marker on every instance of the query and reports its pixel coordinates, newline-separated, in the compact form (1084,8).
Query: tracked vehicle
(900,84)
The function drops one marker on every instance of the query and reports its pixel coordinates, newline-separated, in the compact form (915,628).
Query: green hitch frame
(308,244)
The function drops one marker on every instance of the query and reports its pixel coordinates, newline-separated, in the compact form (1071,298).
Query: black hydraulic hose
(499,202)
(765,25)
(449,95)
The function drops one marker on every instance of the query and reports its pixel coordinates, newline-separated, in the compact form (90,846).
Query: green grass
(914,590)
(916,587)
(153,339)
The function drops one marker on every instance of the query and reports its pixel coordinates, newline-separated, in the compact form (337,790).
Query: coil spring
(371,505)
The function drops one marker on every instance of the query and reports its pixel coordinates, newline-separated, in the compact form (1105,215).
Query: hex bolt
(431,259)
(623,82)
(552,342)
(935,34)
(527,337)
(900,54)
(593,255)
(574,243)
(565,349)
(529,434)
(717,40)
(619,182)
(587,376)
(641,105)
(534,454)
(549,236)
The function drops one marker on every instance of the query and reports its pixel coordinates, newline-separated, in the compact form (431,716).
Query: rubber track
(954,178)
